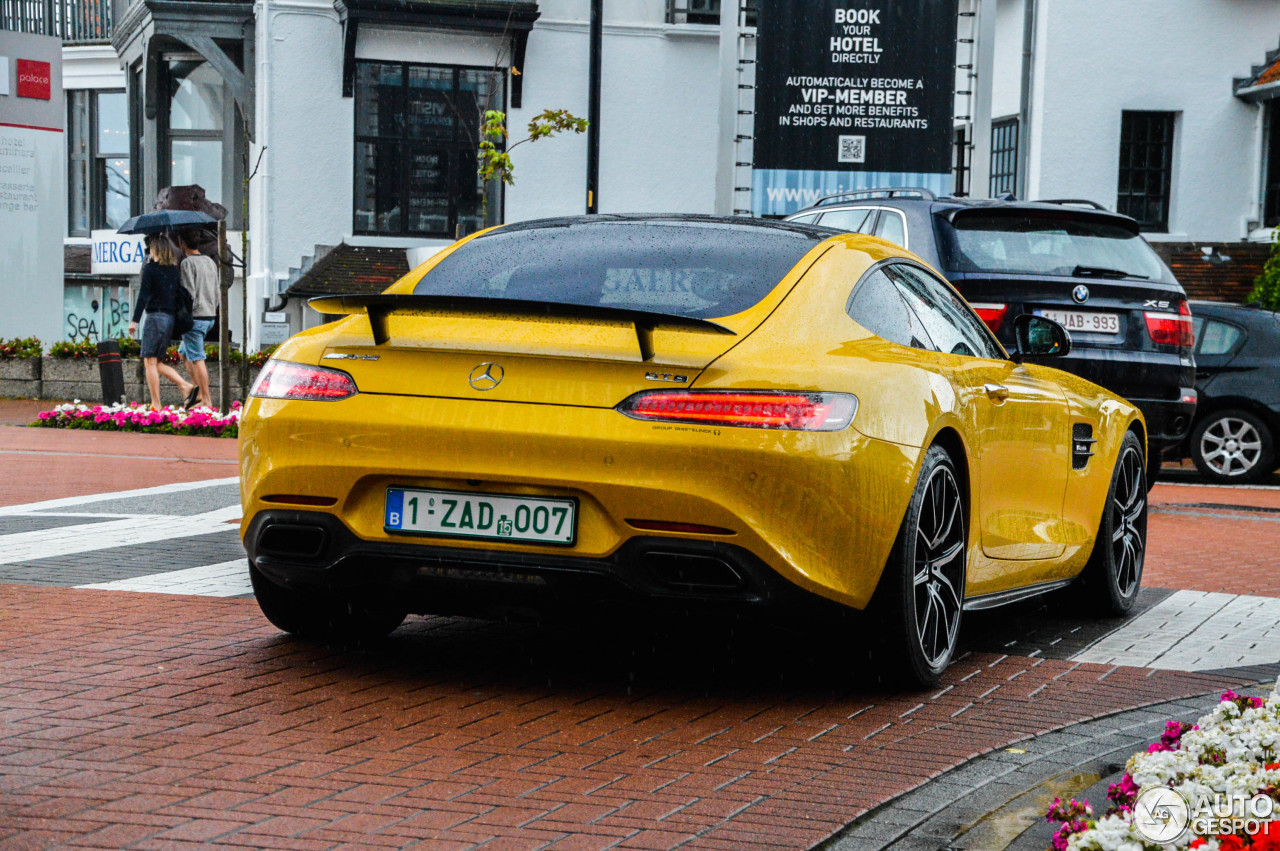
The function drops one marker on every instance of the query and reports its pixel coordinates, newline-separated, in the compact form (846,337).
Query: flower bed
(196,422)
(1232,751)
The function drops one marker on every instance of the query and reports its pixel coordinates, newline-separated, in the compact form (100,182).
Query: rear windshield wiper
(1104,272)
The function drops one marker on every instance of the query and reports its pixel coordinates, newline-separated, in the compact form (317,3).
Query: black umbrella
(163,220)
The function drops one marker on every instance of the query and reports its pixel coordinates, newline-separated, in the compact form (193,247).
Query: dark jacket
(159,291)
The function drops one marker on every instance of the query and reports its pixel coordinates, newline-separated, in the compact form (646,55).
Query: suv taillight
(992,314)
(1168,330)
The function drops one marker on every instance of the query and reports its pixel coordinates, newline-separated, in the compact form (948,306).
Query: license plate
(1083,321)
(490,516)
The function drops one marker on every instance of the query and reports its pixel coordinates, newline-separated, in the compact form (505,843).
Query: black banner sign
(851,94)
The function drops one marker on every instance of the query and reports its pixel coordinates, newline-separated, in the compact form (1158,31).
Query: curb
(943,814)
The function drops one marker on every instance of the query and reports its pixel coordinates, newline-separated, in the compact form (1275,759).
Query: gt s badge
(667,376)
(345,356)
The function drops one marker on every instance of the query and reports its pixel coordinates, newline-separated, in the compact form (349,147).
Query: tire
(322,617)
(1232,446)
(921,595)
(1113,575)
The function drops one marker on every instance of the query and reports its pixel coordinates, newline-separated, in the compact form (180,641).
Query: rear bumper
(819,510)
(1168,421)
(1160,384)
(316,551)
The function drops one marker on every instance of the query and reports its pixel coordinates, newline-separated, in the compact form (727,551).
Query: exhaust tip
(292,540)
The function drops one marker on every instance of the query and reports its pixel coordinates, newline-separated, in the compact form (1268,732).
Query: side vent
(1081,445)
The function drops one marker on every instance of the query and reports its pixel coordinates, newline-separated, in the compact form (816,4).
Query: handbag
(182,321)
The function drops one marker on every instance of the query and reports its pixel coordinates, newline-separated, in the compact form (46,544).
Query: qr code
(853,149)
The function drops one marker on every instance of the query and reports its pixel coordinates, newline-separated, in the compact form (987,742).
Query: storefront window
(417,134)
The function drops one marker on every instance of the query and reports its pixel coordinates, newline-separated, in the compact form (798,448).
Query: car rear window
(697,269)
(1044,245)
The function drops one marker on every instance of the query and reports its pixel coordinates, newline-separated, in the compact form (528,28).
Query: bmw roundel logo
(1080,294)
(485,376)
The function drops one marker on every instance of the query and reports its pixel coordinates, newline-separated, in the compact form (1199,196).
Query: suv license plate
(497,517)
(1083,321)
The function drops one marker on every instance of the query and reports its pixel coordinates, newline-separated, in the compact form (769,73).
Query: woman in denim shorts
(158,296)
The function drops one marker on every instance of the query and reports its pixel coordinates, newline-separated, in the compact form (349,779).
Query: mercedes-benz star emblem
(485,376)
(1080,294)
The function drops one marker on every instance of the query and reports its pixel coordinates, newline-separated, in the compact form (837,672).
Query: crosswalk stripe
(158,490)
(225,579)
(20,547)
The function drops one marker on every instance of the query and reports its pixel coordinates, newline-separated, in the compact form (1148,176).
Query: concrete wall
(1095,60)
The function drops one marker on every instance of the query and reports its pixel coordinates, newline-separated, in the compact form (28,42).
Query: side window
(1217,338)
(853,221)
(878,306)
(946,317)
(892,227)
(806,219)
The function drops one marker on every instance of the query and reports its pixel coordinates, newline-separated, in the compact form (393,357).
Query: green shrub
(1266,287)
(64,350)
(259,359)
(20,348)
(130,347)
(211,353)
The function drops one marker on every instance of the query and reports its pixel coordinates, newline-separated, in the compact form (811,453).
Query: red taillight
(284,380)
(1169,330)
(745,408)
(992,314)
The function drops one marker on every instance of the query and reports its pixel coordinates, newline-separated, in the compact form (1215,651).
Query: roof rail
(895,192)
(1078,202)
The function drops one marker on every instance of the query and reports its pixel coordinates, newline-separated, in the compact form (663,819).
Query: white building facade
(1137,106)
(354,122)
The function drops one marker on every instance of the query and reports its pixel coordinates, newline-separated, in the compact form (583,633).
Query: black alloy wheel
(1232,446)
(323,617)
(1114,571)
(923,587)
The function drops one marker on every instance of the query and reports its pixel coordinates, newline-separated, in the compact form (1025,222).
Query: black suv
(1072,261)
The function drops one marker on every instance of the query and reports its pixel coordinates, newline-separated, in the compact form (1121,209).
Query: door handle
(997,391)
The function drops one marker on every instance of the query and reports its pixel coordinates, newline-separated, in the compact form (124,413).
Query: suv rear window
(698,269)
(1044,245)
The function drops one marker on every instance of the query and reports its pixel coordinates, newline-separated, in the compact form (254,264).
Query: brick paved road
(151,720)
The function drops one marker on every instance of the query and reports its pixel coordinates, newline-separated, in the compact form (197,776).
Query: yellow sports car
(675,411)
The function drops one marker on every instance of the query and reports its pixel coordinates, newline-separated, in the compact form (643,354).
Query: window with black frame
(416,140)
(98,173)
(1004,156)
(1146,168)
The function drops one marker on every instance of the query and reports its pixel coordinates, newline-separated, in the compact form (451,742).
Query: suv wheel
(1232,446)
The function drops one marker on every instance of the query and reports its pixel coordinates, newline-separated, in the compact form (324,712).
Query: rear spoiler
(379,307)
(1052,209)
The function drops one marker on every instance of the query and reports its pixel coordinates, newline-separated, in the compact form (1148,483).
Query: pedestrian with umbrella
(158,299)
(163,298)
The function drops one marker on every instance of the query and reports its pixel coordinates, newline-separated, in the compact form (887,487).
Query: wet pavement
(144,701)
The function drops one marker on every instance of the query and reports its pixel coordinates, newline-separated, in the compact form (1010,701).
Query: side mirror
(1039,336)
